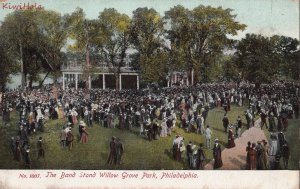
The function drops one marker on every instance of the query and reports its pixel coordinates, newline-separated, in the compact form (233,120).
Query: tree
(295,66)
(85,33)
(146,36)
(6,67)
(201,35)
(256,58)
(36,42)
(114,32)
(179,34)
(263,59)
(285,49)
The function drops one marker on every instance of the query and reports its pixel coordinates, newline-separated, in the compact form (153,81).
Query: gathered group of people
(116,151)
(154,112)
(263,156)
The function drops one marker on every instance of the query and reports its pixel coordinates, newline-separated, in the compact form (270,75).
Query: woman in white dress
(164,131)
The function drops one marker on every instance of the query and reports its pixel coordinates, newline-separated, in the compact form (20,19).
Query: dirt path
(235,158)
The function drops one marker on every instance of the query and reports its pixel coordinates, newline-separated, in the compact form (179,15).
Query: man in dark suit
(189,153)
(41,152)
(225,123)
(113,152)
(80,128)
(119,151)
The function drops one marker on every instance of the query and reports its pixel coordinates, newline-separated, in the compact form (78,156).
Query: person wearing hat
(169,123)
(164,128)
(225,123)
(27,158)
(208,134)
(260,159)
(263,119)
(17,154)
(265,146)
(119,151)
(70,139)
(230,143)
(199,123)
(70,118)
(200,158)
(285,155)
(273,151)
(248,148)
(217,155)
(252,154)
(156,130)
(74,115)
(80,128)
(41,151)
(189,154)
(113,152)
(271,120)
(178,147)
(239,126)
(63,137)
(84,135)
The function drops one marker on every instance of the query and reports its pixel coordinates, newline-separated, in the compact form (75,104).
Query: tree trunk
(42,82)
(30,83)
(25,80)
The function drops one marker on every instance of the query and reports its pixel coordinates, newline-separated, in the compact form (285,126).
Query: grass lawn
(139,152)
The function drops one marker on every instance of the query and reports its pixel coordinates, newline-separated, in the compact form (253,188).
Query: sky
(266,17)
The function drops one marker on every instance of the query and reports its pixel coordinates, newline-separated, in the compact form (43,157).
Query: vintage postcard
(149,94)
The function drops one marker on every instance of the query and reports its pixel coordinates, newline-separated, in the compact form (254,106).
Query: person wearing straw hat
(217,155)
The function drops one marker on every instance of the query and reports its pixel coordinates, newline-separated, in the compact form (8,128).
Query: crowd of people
(154,112)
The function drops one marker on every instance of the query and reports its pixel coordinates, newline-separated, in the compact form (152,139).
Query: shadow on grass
(183,161)
(169,153)
(217,129)
(104,156)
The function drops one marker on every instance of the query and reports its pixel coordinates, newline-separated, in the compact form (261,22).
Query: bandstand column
(90,82)
(103,81)
(120,81)
(137,82)
(76,81)
(63,81)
